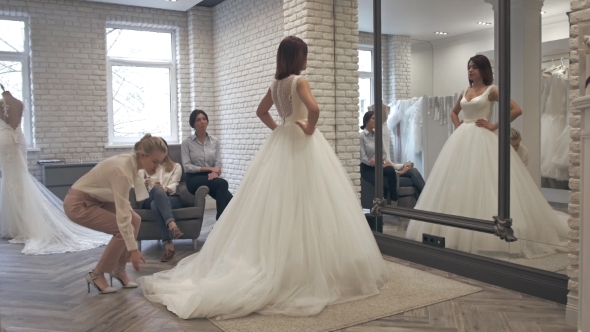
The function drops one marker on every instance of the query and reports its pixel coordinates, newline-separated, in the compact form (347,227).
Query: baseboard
(543,284)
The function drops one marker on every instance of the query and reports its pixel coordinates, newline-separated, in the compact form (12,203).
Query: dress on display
(29,212)
(464,182)
(292,240)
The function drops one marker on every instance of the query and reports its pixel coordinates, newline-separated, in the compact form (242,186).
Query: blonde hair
(168,164)
(149,144)
(514,134)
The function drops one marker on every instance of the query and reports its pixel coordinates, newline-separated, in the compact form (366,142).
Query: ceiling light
(543,13)
(484,23)
(441,33)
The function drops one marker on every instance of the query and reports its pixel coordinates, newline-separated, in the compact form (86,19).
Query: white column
(525,71)
(579,299)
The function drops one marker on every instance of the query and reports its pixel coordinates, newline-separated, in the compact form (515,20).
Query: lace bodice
(479,107)
(285,97)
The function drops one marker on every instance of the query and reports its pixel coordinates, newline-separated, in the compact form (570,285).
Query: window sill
(119,146)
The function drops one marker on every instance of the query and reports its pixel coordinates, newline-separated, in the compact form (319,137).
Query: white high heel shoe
(113,274)
(90,280)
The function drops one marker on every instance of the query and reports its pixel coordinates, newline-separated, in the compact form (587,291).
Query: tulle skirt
(464,182)
(29,213)
(292,240)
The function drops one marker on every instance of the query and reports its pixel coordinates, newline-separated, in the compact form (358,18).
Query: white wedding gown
(292,240)
(29,212)
(464,182)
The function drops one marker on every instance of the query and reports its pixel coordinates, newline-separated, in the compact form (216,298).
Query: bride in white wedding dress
(464,182)
(29,213)
(294,238)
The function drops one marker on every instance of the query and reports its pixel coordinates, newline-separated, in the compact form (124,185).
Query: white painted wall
(422,70)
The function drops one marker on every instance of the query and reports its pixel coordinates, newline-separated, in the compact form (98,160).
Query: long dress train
(292,240)
(29,212)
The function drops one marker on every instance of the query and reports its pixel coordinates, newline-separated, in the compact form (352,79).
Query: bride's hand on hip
(486,124)
(306,129)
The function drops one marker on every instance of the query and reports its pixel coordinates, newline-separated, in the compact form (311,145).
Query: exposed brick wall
(68,69)
(246,34)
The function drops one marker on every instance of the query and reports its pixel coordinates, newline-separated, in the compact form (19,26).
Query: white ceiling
(180,5)
(421,18)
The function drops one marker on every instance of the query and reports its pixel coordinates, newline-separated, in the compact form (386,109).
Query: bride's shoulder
(494,93)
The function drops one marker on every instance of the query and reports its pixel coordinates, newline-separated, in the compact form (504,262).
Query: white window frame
(171,65)
(23,58)
(370,75)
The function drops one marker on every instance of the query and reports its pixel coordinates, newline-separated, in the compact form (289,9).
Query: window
(365,82)
(14,66)
(141,84)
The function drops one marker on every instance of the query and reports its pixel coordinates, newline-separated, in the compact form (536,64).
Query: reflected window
(365,81)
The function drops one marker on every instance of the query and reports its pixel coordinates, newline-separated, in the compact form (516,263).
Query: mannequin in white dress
(294,238)
(29,213)
(464,181)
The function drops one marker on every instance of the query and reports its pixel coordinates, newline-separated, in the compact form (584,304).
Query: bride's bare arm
(313,110)
(515,111)
(263,111)
(455,112)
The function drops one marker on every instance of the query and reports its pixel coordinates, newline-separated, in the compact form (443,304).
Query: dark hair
(291,57)
(366,118)
(485,69)
(193,117)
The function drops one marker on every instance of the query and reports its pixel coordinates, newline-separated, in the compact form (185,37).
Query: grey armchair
(406,195)
(189,218)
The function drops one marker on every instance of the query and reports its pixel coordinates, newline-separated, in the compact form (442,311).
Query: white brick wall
(68,67)
(580,14)
(246,34)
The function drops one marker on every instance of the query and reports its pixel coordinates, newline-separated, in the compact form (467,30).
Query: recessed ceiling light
(543,13)
(441,33)
(484,23)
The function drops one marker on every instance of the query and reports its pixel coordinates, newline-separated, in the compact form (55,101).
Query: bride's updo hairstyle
(291,57)
(485,69)
(148,144)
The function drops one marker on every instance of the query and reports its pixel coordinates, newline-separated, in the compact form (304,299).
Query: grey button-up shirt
(195,154)
(368,149)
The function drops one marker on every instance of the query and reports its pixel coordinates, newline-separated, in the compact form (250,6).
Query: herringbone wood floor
(48,293)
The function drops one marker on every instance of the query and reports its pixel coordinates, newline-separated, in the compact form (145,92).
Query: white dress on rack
(553,122)
(292,240)
(464,182)
(29,212)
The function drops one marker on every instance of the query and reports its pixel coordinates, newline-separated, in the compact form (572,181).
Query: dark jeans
(162,205)
(412,178)
(218,189)
(389,180)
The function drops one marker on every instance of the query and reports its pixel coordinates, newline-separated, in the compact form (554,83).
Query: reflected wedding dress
(292,240)
(29,212)
(464,182)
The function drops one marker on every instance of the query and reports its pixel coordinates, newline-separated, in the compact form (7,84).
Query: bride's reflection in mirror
(448,135)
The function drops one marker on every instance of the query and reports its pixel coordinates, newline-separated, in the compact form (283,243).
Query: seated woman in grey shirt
(409,176)
(201,159)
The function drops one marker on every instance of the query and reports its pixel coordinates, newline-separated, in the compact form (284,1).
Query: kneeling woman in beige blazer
(100,201)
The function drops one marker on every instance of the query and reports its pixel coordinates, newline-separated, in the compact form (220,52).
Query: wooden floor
(48,293)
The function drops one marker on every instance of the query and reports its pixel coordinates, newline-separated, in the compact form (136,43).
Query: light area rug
(407,289)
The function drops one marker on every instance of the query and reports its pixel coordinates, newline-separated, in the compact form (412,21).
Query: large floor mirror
(427,65)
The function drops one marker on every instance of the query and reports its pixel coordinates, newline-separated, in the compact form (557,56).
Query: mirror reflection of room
(440,119)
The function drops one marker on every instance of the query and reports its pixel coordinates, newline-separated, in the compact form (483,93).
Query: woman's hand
(387,163)
(308,130)
(460,123)
(372,161)
(147,182)
(216,170)
(212,176)
(486,124)
(135,258)
(409,164)
(404,170)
